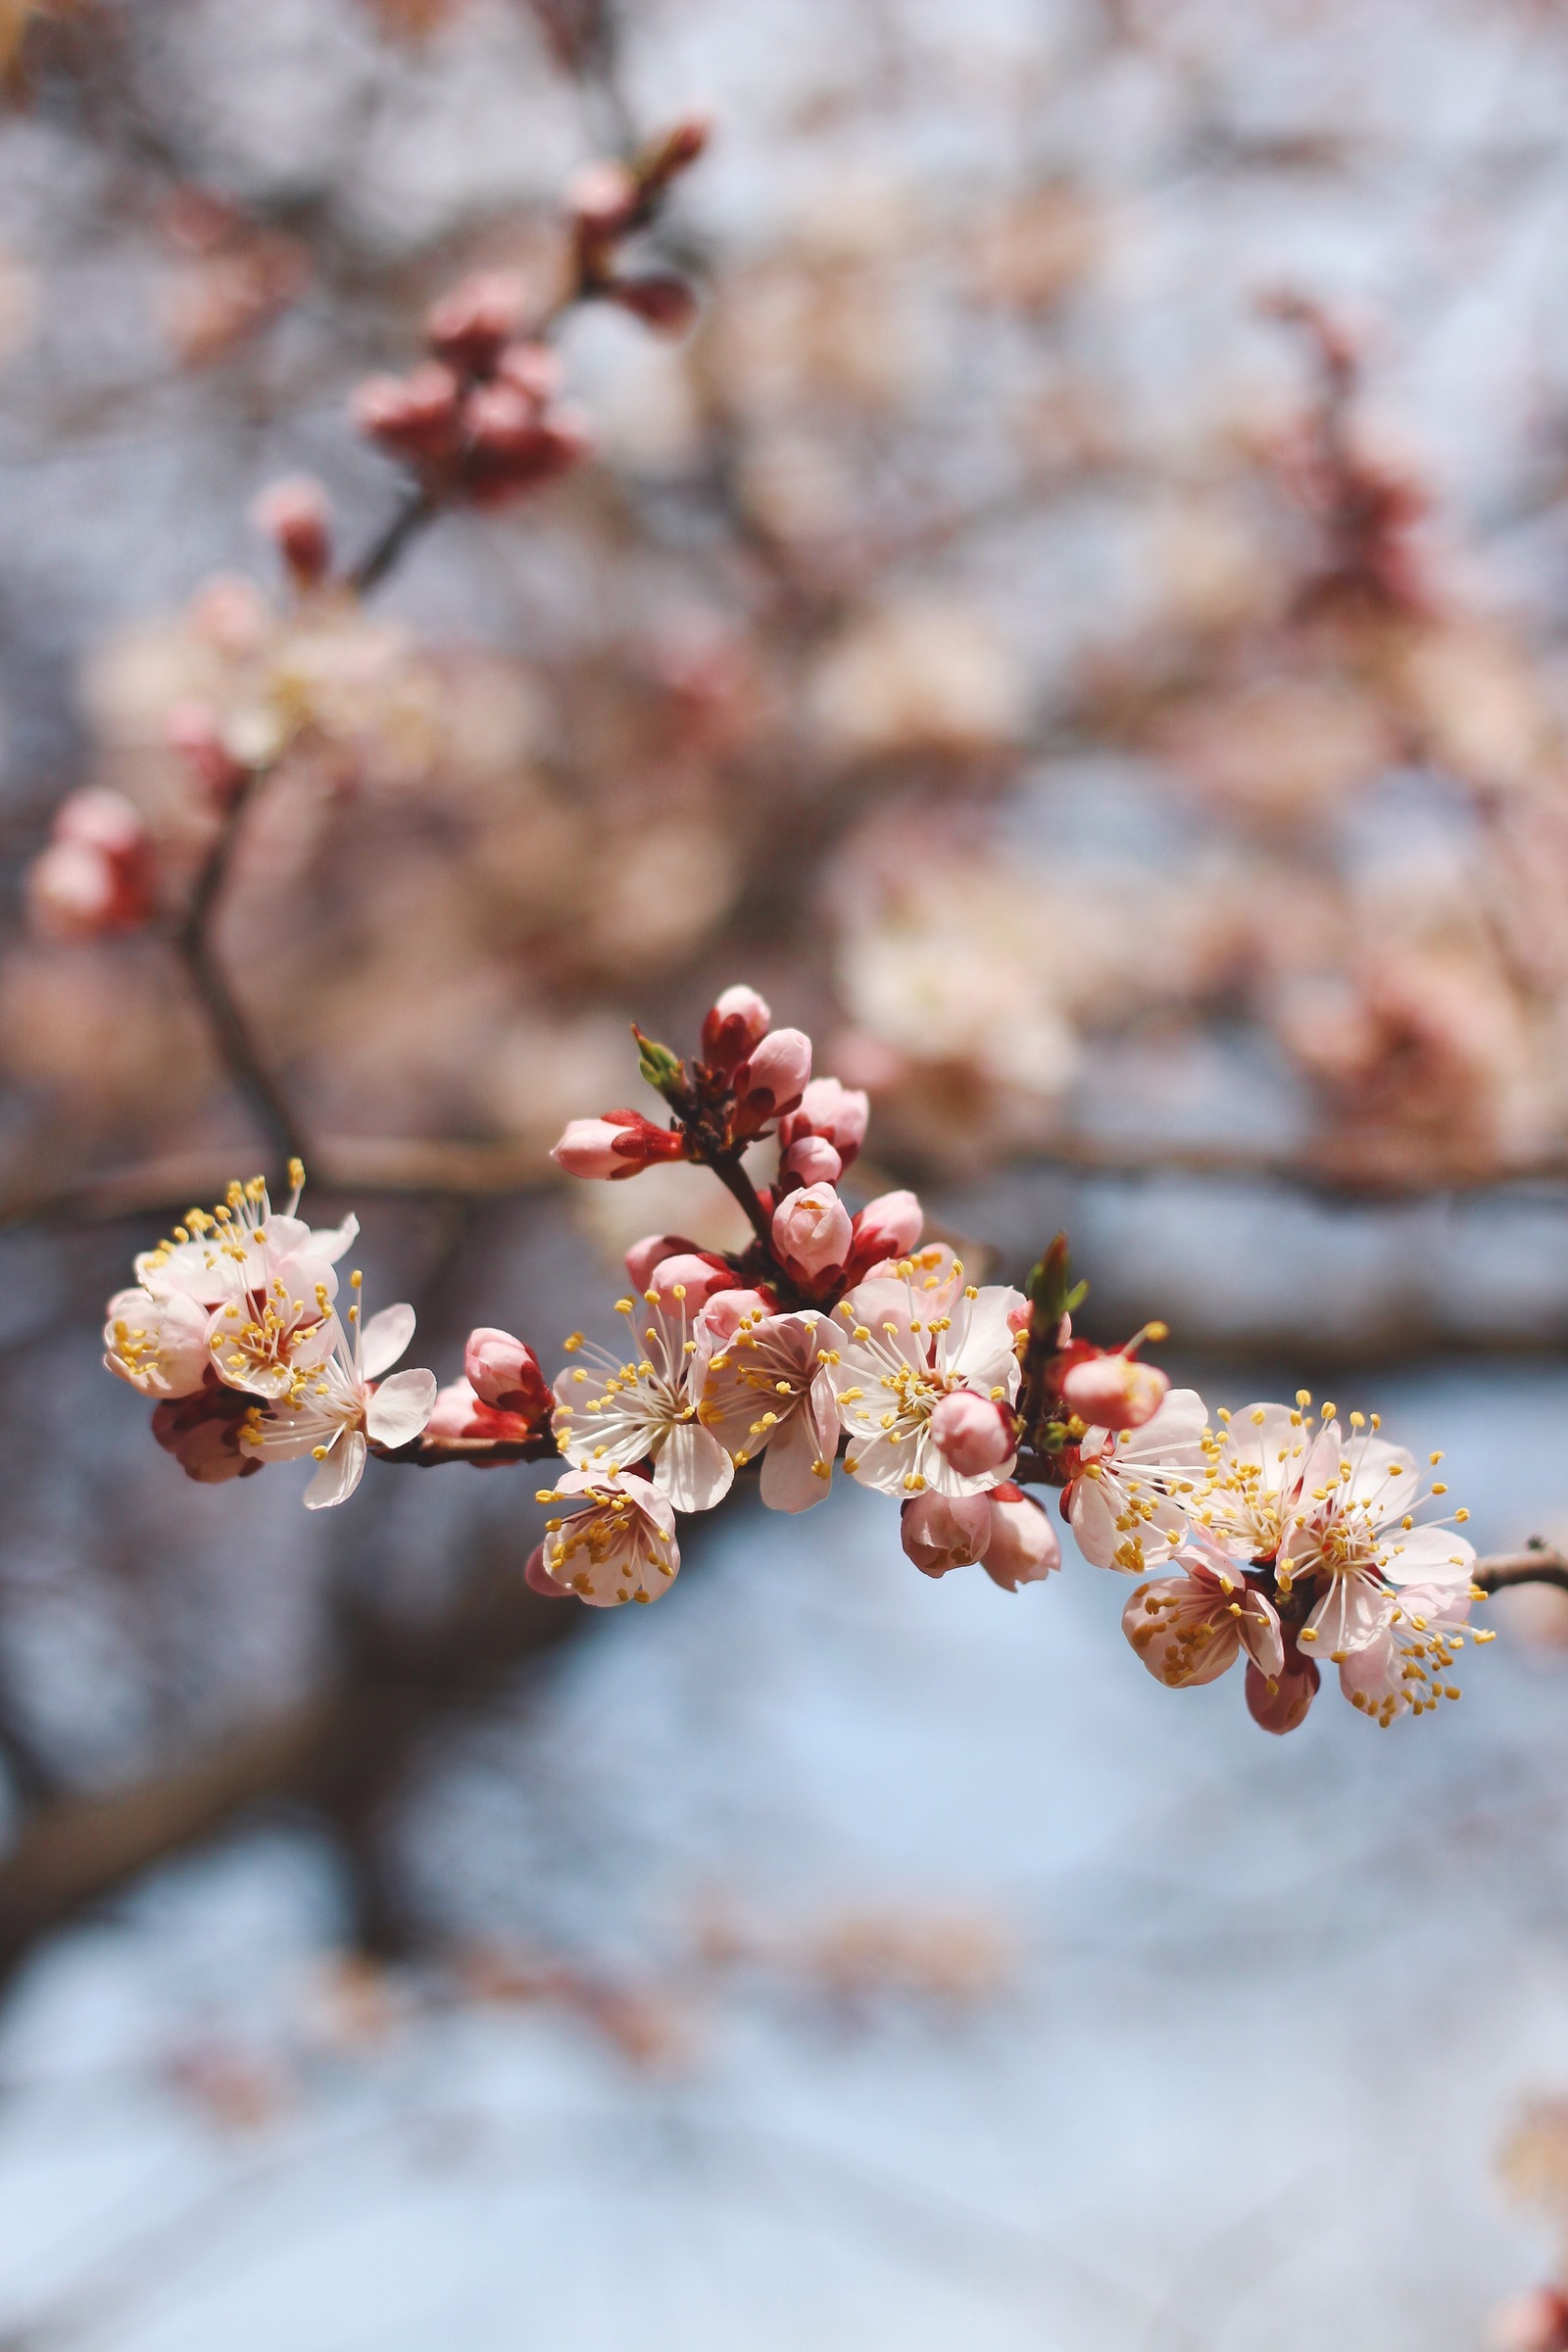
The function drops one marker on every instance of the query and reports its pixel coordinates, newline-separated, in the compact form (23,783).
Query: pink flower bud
(734,1025)
(697,1277)
(295,515)
(838,1113)
(105,821)
(1535,2322)
(194,732)
(202,1432)
(413,417)
(770,1081)
(1114,1392)
(460,1417)
(533,368)
(972,1434)
(1281,1705)
(470,327)
(538,1578)
(887,1227)
(604,199)
(665,303)
(645,1255)
(813,1160)
(96,876)
(506,1373)
(512,449)
(940,1532)
(812,1232)
(620,1144)
(1023,1547)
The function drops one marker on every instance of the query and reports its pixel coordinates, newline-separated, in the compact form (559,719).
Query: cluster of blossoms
(835,1334)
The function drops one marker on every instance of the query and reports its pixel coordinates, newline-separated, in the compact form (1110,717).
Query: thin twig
(1540,1563)
(418,509)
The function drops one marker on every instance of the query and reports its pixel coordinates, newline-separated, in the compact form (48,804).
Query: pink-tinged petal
(1182,1630)
(1429,1556)
(400,1407)
(384,1340)
(328,1241)
(1094,1510)
(338,1476)
(940,1532)
(796,1472)
(1262,1637)
(538,1578)
(693,1469)
(157,1345)
(1279,1703)
(1172,1434)
(981,1345)
(1352,1614)
(878,1463)
(1023,1547)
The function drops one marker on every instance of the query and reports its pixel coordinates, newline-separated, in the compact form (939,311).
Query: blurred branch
(1540,1563)
(340,1755)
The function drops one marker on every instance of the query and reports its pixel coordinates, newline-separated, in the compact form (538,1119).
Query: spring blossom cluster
(838,1338)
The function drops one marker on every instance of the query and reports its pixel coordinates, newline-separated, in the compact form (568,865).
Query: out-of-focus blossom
(1535,2322)
(619,1547)
(97,877)
(297,516)
(768,1390)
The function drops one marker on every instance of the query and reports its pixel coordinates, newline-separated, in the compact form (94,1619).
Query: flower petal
(342,1472)
(384,1340)
(400,1407)
(693,1469)
(790,1480)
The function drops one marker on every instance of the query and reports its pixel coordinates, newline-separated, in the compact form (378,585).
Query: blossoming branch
(836,1339)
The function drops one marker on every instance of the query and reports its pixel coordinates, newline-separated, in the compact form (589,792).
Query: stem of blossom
(418,511)
(733,1177)
(231,1032)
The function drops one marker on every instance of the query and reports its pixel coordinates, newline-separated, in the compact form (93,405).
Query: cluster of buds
(610,202)
(837,1338)
(480,419)
(96,876)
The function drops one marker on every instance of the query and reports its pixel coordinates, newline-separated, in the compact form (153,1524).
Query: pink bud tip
(940,1532)
(651,1251)
(505,1372)
(603,198)
(972,1434)
(620,1144)
(726,1310)
(470,327)
(839,1115)
(697,1277)
(813,1160)
(887,1227)
(734,1025)
(1114,1392)
(812,1232)
(665,303)
(771,1079)
(296,516)
(1023,1547)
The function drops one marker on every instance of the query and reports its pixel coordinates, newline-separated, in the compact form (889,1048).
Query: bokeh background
(1080,624)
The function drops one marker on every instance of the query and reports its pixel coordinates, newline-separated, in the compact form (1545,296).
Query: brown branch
(1540,1563)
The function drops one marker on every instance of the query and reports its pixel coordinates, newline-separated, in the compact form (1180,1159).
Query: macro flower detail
(1355,1535)
(1127,1504)
(911,1340)
(770,1391)
(619,1547)
(1191,1627)
(612,1413)
(336,1409)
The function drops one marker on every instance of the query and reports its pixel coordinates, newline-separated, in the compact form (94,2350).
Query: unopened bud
(505,1372)
(940,1532)
(534,370)
(972,1434)
(1023,1547)
(887,1227)
(665,303)
(1280,1703)
(734,1025)
(96,876)
(1114,1392)
(296,516)
(698,1278)
(771,1079)
(813,1160)
(726,1310)
(644,1256)
(812,1232)
(413,417)
(604,199)
(195,733)
(460,1417)
(620,1144)
(838,1113)
(470,327)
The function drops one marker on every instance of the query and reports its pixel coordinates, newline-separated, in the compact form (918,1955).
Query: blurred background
(1079,621)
